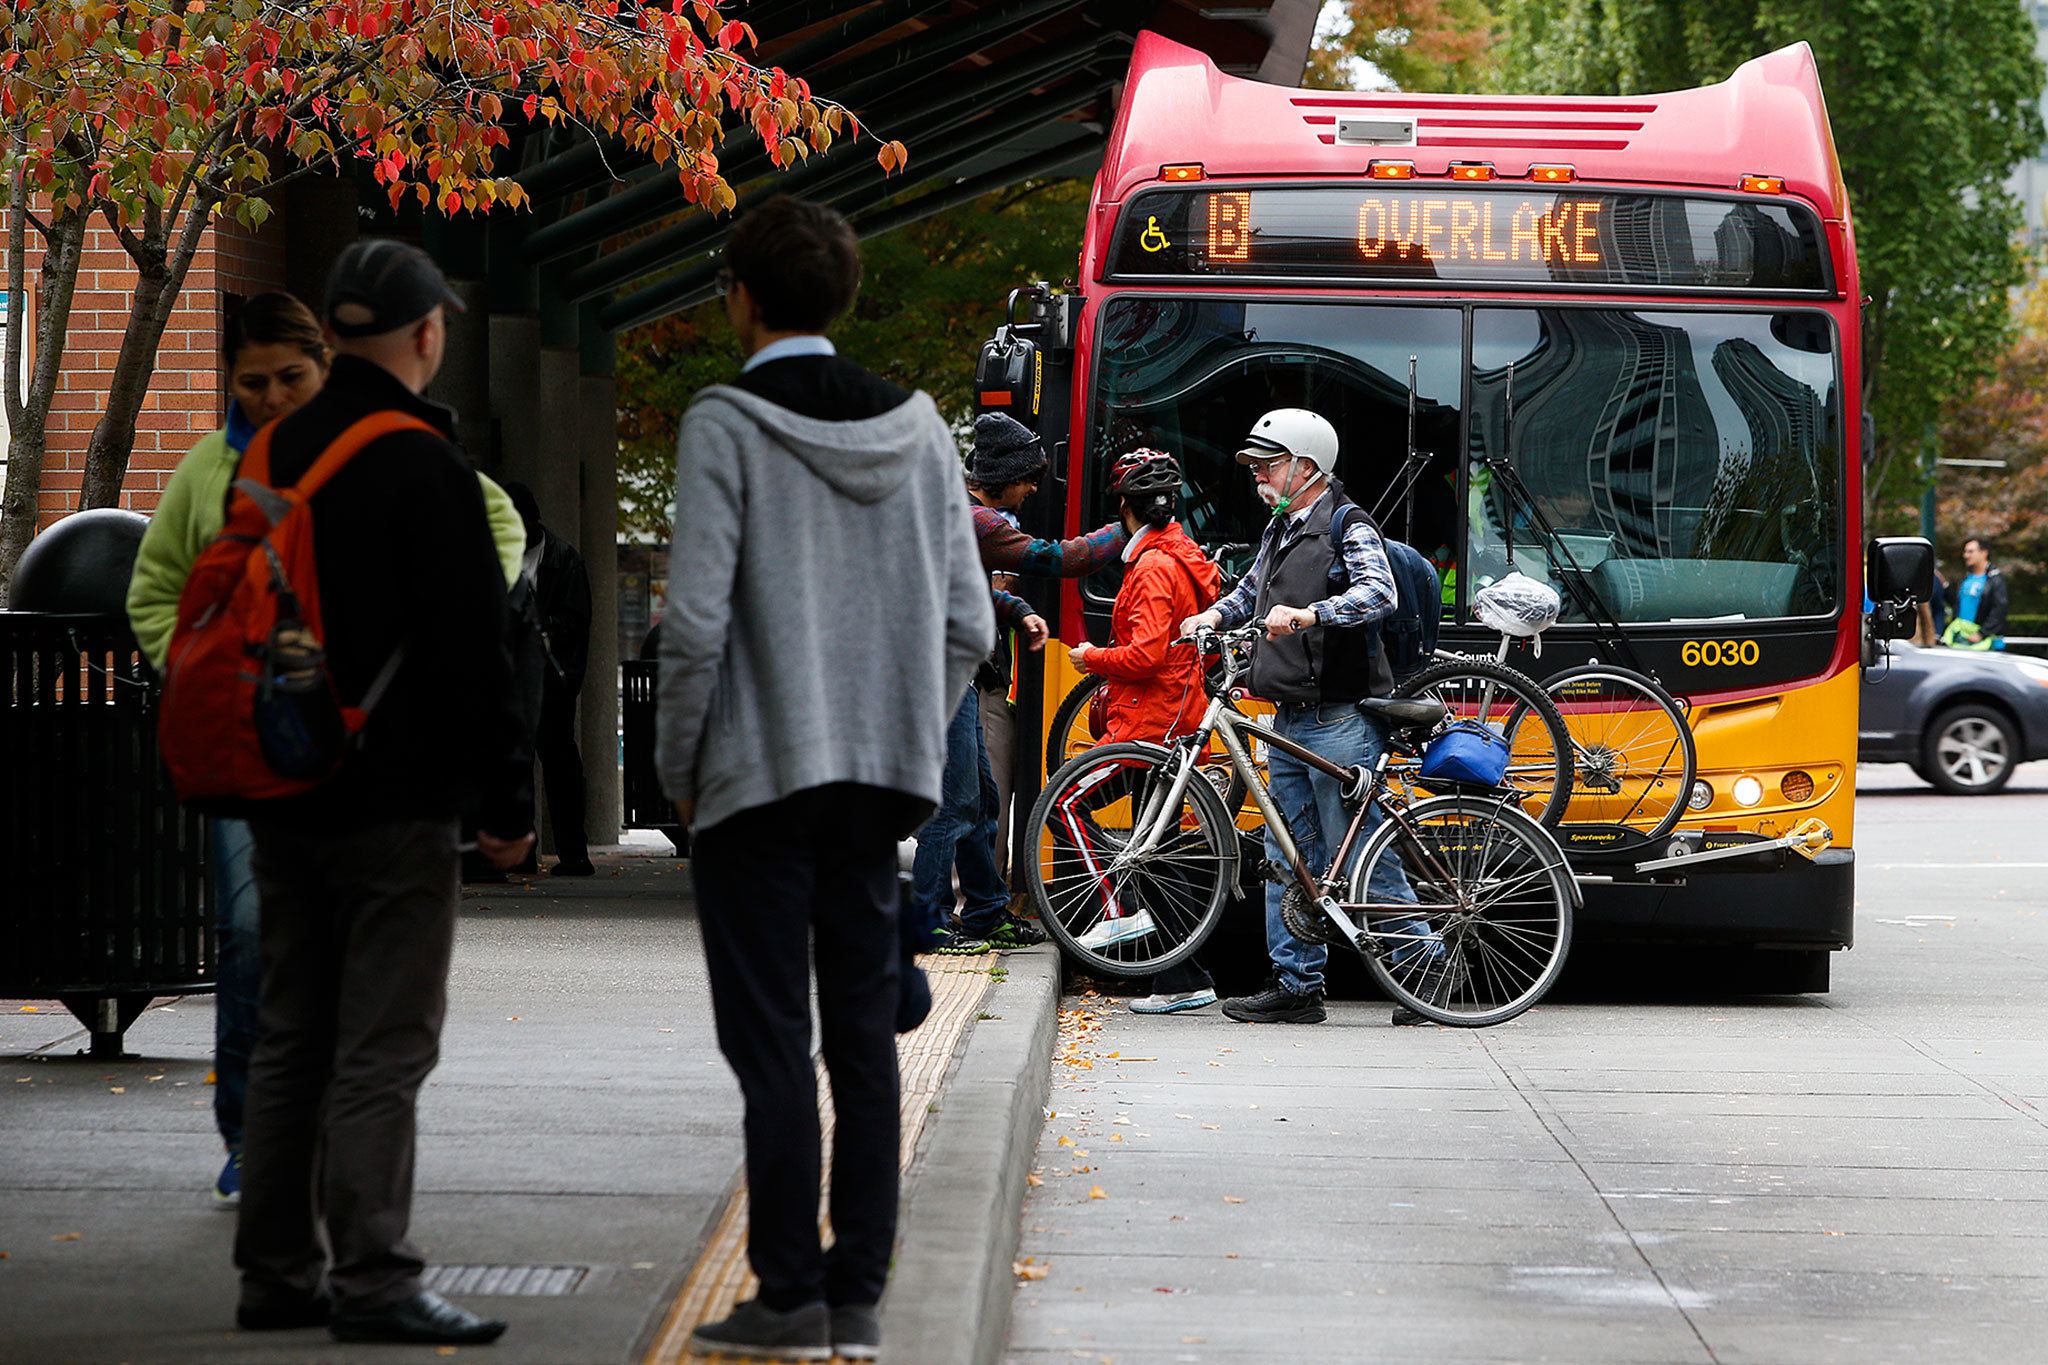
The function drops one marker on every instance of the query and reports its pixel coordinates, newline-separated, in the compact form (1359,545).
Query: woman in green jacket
(276,359)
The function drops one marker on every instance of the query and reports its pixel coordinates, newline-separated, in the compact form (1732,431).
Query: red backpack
(249,710)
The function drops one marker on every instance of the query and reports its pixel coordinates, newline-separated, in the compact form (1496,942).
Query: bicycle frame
(1226,724)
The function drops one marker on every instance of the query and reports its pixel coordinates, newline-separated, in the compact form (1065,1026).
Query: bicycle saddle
(1406,713)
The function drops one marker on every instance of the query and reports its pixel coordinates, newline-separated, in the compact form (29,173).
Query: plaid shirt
(1370,596)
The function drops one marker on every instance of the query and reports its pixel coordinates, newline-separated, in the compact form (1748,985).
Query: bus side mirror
(1009,377)
(1898,575)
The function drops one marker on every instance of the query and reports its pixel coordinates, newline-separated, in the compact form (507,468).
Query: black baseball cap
(379,285)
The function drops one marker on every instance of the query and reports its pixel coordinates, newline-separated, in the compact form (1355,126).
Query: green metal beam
(978,140)
(742,158)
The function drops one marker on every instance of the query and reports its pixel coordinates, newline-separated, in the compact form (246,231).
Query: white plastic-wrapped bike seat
(1517,605)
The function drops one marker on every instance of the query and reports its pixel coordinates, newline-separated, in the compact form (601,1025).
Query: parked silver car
(1964,720)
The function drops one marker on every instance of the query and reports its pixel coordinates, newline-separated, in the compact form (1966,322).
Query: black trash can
(104,895)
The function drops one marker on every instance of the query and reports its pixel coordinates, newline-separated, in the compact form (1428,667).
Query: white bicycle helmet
(1292,431)
(1517,605)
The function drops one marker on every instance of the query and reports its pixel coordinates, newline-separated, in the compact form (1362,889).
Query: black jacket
(562,598)
(405,558)
(1995,606)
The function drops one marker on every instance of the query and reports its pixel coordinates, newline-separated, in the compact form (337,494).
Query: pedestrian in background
(276,360)
(1008,464)
(560,591)
(1978,605)
(826,613)
(1152,687)
(359,876)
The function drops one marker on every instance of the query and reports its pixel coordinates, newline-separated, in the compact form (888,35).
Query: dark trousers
(238,972)
(357,930)
(810,877)
(561,768)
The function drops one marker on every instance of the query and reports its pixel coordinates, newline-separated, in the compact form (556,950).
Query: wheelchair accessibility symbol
(1152,239)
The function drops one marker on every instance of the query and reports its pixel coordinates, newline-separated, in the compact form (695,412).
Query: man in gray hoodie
(826,611)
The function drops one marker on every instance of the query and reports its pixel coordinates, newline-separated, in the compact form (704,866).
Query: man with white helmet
(1315,598)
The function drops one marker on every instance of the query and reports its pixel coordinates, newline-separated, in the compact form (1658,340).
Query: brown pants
(999,733)
(357,932)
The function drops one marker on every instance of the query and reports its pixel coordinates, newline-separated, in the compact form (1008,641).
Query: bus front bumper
(1795,904)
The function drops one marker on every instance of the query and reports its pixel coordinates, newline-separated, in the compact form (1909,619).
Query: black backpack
(1407,637)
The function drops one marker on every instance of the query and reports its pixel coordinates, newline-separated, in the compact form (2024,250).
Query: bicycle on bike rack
(1460,904)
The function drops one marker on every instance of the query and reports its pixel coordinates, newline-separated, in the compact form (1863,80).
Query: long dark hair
(273,319)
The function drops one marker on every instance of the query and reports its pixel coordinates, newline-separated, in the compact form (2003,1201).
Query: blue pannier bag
(1467,754)
(1407,636)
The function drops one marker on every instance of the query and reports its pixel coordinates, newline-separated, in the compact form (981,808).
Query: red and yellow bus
(1667,283)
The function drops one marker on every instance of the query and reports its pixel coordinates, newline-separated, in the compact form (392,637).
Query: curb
(948,1301)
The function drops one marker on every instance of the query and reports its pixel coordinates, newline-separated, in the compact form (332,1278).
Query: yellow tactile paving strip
(721,1278)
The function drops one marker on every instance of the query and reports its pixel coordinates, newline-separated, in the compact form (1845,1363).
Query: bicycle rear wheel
(1491,922)
(1512,705)
(1114,911)
(1633,759)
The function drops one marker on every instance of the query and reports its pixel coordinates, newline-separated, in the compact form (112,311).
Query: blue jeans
(1315,811)
(238,971)
(962,833)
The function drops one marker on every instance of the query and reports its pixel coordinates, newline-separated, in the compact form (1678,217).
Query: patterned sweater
(1005,549)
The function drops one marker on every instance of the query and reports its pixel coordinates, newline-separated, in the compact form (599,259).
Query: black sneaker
(1276,1005)
(857,1331)
(953,941)
(1016,933)
(757,1332)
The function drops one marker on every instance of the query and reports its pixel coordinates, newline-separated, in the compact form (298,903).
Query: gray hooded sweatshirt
(826,604)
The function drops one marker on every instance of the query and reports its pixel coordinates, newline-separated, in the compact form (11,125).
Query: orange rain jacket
(1152,691)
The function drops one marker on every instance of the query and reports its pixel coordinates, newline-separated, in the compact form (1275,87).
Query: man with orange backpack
(1152,690)
(338,676)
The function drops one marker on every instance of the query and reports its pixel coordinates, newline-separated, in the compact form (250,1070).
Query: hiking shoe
(227,1186)
(755,1331)
(857,1331)
(1016,933)
(1179,1002)
(1107,933)
(953,941)
(1277,1005)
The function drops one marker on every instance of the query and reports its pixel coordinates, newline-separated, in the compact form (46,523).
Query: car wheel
(1970,750)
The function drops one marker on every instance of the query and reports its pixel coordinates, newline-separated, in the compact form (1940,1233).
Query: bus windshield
(1690,461)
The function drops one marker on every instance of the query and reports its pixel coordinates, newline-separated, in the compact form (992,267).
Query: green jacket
(194,509)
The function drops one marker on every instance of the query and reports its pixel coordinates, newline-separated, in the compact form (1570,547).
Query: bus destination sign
(1495,237)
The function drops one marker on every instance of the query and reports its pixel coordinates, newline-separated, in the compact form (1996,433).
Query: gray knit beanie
(1005,451)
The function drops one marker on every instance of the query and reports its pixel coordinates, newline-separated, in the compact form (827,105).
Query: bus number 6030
(1719,653)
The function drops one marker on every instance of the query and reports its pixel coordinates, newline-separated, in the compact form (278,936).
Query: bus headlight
(1748,791)
(1700,797)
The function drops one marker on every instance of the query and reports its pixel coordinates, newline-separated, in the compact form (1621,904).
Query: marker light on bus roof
(1552,175)
(1472,170)
(1763,184)
(1391,170)
(1192,172)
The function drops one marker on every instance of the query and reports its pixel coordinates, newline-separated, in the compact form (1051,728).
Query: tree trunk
(28,436)
(159,283)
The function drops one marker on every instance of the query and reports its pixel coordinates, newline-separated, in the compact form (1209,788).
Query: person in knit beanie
(967,832)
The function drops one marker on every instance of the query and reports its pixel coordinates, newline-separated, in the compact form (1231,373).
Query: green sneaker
(1016,933)
(953,941)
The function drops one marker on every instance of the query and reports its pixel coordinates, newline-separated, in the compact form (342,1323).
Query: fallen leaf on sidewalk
(69,1237)
(1034,1180)
(1124,1119)
(1025,1270)
(31,1009)
(444,1350)
(1213,1127)
(1161,1289)
(1116,1137)
(1229,1255)
(1194,1341)
(1183,1116)
(117,1089)
(1097,1192)
(1232,1199)
(1065,1141)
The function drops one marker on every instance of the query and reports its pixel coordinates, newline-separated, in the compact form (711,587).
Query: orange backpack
(249,711)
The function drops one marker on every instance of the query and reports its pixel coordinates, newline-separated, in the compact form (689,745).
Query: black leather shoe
(287,1317)
(426,1316)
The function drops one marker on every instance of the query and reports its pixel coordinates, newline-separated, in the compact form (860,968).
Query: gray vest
(1321,663)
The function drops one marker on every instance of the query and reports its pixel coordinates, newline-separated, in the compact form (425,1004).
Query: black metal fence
(645,805)
(104,902)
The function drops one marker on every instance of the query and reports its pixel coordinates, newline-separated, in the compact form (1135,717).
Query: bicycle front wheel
(1129,879)
(1633,760)
(1486,934)
(1512,705)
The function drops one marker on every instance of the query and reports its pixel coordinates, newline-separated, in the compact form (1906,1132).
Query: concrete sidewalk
(581,1119)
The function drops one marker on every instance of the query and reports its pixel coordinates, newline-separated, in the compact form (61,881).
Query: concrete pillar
(464,382)
(515,396)
(598,446)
